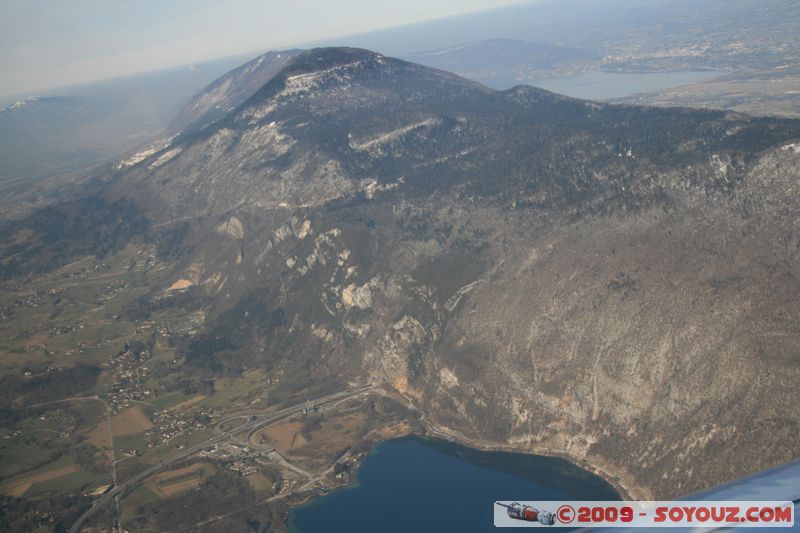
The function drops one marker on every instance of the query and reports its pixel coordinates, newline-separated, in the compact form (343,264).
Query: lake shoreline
(552,473)
(609,85)
(439,432)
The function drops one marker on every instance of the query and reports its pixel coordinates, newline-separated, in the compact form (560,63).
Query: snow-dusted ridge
(20,103)
(148,151)
(389,136)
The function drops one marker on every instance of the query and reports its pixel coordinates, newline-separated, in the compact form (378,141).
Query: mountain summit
(332,119)
(314,131)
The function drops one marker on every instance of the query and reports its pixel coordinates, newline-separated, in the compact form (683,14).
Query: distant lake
(608,85)
(419,485)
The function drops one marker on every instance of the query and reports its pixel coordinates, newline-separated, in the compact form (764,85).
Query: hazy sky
(51,43)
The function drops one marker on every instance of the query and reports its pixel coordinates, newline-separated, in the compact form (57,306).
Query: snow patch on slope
(793,147)
(166,156)
(233,227)
(300,83)
(268,139)
(389,136)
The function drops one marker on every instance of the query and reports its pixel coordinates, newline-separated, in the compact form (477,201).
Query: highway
(259,422)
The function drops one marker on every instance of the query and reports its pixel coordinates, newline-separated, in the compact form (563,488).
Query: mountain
(229,91)
(614,283)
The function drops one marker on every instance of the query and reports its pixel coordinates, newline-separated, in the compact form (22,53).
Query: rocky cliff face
(620,283)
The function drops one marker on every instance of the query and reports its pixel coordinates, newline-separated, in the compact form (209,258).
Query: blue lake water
(608,85)
(420,485)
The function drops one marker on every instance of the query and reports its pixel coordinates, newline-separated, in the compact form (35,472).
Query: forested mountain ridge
(616,282)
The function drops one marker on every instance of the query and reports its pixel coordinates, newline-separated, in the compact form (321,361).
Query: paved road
(260,421)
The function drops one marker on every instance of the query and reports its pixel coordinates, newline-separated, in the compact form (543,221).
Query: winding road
(256,422)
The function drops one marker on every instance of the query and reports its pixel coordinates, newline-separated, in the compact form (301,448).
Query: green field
(17,457)
(167,400)
(132,502)
(231,391)
(190,439)
(61,462)
(80,480)
(139,496)
(92,412)
(155,455)
(136,442)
